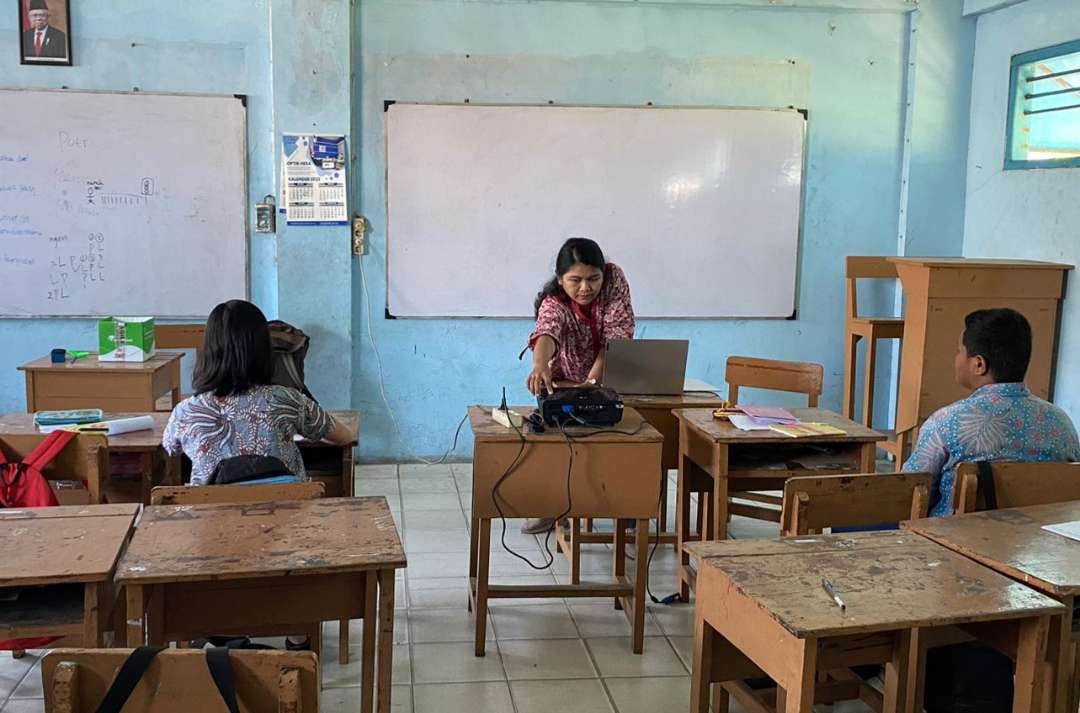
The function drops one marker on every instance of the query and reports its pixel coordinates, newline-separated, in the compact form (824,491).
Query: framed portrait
(45,26)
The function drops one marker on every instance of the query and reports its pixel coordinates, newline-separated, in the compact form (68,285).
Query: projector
(594,406)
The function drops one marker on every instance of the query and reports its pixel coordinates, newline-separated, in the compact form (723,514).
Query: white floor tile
(539,659)
(451,520)
(12,671)
(428,485)
(575,696)
(675,620)
(419,470)
(615,657)
(650,695)
(463,698)
(415,502)
(30,687)
(24,705)
(376,470)
(455,663)
(598,619)
(444,625)
(334,675)
(347,700)
(547,621)
(684,647)
(420,542)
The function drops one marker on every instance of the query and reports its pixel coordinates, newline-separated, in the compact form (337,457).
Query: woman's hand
(540,376)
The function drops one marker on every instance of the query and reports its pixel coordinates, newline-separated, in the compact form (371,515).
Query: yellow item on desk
(806,430)
(726,411)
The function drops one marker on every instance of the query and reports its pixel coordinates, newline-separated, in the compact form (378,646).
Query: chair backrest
(238,493)
(793,376)
(86,458)
(1017,485)
(180,336)
(864,266)
(813,503)
(178,681)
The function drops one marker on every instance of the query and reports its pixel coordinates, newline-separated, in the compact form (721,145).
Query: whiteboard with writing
(700,206)
(121,203)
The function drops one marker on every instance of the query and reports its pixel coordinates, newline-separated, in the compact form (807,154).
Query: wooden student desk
(614,475)
(1013,542)
(329,464)
(717,458)
(108,385)
(62,560)
(761,610)
(267,569)
(938,294)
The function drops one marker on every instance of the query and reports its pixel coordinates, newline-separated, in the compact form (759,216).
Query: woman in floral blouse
(583,307)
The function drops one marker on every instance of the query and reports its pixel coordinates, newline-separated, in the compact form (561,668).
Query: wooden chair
(871,329)
(179,336)
(210,494)
(85,459)
(1017,485)
(790,376)
(178,681)
(812,504)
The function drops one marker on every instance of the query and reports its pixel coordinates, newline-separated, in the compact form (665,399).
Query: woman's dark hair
(236,353)
(573,252)
(1002,337)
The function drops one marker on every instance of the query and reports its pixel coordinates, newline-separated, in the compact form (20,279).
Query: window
(1044,111)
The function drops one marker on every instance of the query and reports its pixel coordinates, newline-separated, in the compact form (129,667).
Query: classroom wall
(846,67)
(1023,214)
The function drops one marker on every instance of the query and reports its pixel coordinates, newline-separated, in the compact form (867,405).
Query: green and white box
(125,338)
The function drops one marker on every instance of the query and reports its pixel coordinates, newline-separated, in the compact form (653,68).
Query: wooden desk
(938,294)
(107,385)
(67,554)
(267,568)
(331,465)
(1013,542)
(761,610)
(614,475)
(717,458)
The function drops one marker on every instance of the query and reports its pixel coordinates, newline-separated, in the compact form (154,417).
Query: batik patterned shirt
(264,421)
(581,333)
(998,422)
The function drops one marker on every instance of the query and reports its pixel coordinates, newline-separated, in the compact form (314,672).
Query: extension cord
(509,419)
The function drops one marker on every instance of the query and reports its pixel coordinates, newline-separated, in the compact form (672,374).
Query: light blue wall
(157,47)
(847,68)
(1023,214)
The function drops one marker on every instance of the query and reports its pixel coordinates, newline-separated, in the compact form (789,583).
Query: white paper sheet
(1065,529)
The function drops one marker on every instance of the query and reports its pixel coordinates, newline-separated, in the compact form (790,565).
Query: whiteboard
(701,207)
(121,203)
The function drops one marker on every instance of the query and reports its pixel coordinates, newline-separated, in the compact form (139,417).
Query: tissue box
(125,338)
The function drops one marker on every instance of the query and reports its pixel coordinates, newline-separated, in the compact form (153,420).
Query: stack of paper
(805,429)
(760,418)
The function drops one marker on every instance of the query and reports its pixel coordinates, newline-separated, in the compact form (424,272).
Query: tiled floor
(550,655)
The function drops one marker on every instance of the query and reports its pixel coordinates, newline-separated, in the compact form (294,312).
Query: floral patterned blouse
(581,333)
(998,422)
(263,421)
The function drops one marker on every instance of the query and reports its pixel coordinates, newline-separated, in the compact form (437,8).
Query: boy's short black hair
(1002,337)
(236,353)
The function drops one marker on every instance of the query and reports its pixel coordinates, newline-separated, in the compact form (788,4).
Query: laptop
(646,366)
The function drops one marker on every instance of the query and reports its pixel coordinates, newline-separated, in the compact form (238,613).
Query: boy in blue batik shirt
(1001,420)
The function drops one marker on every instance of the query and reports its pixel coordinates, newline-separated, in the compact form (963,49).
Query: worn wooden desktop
(267,569)
(107,385)
(614,476)
(62,550)
(938,294)
(1013,542)
(717,458)
(166,470)
(762,610)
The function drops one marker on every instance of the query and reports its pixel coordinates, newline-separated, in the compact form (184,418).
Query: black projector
(592,406)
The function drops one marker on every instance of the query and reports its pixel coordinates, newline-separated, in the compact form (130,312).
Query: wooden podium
(938,294)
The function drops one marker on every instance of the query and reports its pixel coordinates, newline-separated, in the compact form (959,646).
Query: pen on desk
(831,591)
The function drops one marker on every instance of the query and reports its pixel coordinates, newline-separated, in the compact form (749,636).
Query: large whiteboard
(121,203)
(701,207)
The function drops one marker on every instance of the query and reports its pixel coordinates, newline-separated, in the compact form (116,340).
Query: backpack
(23,486)
(248,469)
(290,346)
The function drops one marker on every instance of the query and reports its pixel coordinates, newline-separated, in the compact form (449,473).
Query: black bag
(240,469)
(968,678)
(217,660)
(290,346)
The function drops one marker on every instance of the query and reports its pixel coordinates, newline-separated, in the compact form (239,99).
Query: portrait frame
(55,46)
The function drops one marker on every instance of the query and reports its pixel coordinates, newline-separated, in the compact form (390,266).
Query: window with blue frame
(1044,110)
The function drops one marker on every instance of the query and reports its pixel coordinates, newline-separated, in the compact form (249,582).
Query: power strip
(507,418)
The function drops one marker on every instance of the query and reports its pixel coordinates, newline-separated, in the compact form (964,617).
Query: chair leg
(868,387)
(851,341)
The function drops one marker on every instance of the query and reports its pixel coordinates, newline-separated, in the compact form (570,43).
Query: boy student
(1001,420)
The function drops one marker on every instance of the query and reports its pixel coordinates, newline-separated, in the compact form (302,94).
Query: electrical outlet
(359,233)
